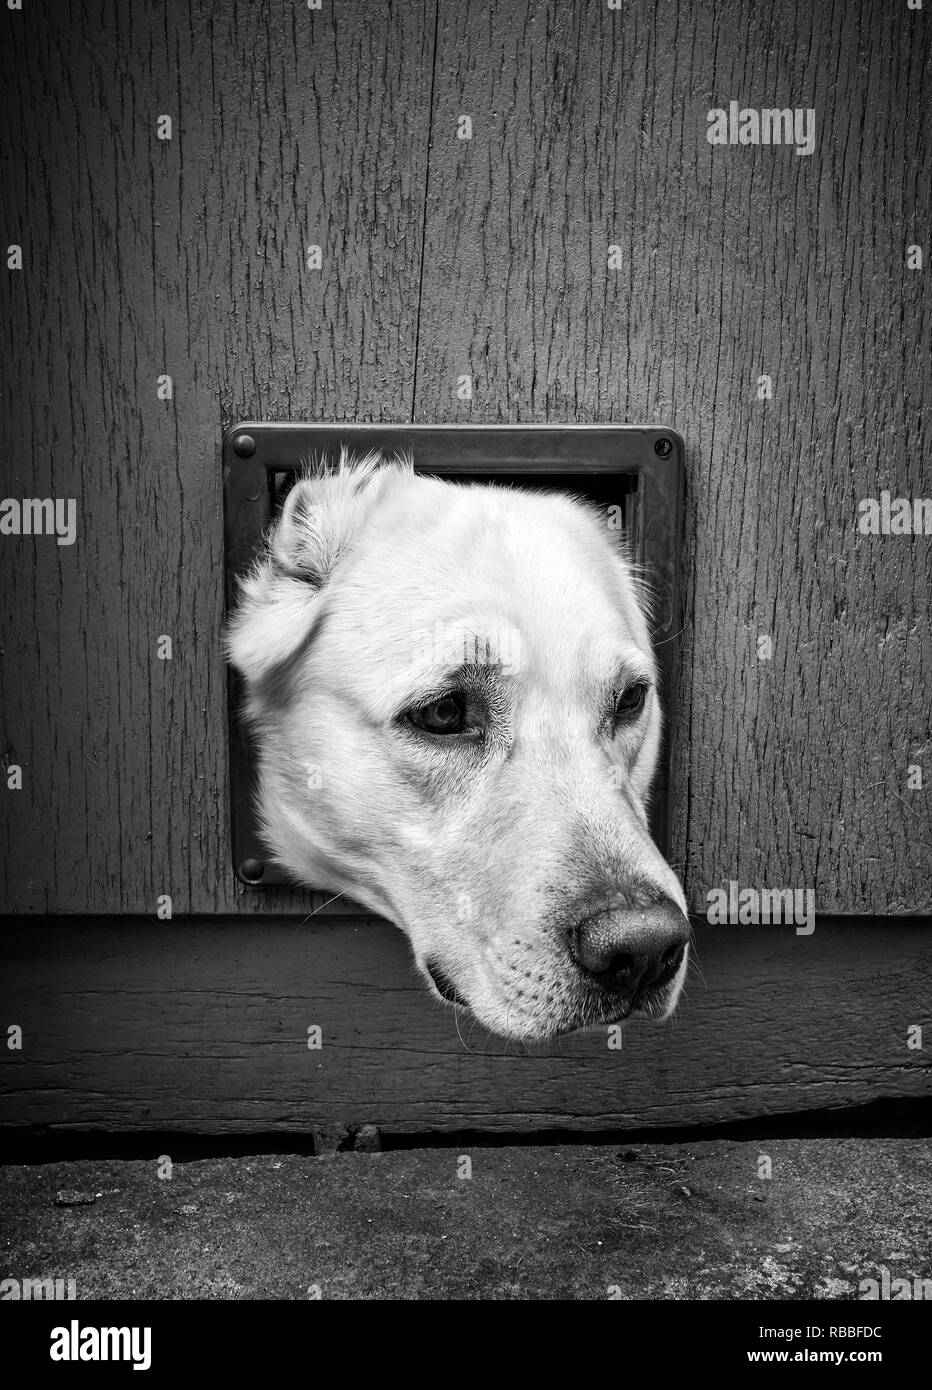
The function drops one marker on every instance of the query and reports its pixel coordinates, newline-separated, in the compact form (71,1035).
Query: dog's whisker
(671,638)
(319,909)
(456,1020)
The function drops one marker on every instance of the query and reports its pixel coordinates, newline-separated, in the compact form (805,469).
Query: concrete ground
(647,1221)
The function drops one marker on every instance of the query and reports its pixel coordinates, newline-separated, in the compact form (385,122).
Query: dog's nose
(630,949)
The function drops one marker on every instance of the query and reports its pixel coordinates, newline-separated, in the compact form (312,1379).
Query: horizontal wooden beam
(202,1025)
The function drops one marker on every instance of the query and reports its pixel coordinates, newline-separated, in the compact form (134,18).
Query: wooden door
(585,255)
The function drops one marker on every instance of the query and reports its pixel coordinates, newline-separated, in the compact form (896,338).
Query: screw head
(252,869)
(244,445)
(663,448)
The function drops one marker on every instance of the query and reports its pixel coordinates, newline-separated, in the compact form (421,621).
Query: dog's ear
(280,600)
(320,518)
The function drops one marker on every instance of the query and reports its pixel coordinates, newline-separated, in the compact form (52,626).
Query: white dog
(454,701)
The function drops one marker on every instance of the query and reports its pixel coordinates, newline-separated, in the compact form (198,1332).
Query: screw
(663,447)
(252,869)
(244,445)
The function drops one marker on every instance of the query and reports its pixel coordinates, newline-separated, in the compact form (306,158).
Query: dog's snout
(632,950)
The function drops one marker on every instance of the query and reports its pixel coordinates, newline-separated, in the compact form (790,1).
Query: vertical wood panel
(184,257)
(590,129)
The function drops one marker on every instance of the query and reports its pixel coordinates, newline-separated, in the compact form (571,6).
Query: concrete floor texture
(771,1219)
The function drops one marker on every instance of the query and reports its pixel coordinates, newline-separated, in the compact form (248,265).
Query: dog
(454,700)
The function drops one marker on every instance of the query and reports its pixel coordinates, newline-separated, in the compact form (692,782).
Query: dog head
(454,701)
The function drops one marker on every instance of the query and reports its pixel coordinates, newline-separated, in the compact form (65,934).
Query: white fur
(482,852)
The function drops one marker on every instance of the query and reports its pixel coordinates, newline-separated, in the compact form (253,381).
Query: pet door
(638,471)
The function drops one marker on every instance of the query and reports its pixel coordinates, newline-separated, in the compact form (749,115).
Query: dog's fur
(515,856)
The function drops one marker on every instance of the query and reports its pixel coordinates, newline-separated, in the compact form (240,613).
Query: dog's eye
(630,702)
(444,716)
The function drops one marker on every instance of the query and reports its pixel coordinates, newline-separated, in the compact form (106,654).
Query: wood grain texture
(443,257)
(203,1027)
(188,257)
(590,130)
